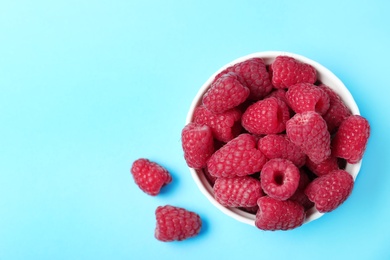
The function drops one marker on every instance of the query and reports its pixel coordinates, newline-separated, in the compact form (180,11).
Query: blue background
(87,87)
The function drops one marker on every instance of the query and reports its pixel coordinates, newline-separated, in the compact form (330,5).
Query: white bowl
(324,75)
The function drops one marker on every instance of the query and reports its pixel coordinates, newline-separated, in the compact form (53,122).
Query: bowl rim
(324,75)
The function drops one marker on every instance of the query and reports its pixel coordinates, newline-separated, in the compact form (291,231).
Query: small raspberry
(279,146)
(278,215)
(299,195)
(237,191)
(309,131)
(225,92)
(330,191)
(337,111)
(198,144)
(239,157)
(324,167)
(255,75)
(287,71)
(174,223)
(351,139)
(304,97)
(267,116)
(225,126)
(279,178)
(150,176)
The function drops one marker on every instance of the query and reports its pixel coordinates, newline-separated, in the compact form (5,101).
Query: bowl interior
(324,75)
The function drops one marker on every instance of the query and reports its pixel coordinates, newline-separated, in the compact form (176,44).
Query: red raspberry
(299,195)
(279,178)
(337,111)
(225,92)
(211,179)
(307,97)
(287,71)
(149,176)
(324,167)
(174,223)
(198,144)
(225,126)
(330,191)
(239,157)
(267,116)
(237,191)
(279,146)
(279,215)
(255,75)
(351,139)
(309,131)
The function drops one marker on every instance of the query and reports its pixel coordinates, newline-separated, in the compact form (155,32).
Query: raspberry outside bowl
(324,75)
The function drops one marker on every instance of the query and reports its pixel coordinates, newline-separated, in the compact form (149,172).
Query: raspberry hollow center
(279,178)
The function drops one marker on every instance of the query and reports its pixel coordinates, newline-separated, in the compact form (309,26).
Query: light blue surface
(87,87)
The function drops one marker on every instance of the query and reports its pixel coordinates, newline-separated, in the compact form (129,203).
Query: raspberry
(287,71)
(307,97)
(324,167)
(337,111)
(279,146)
(278,215)
(267,116)
(255,75)
(239,157)
(330,191)
(309,131)
(299,195)
(174,223)
(237,191)
(149,176)
(351,139)
(225,92)
(279,178)
(225,126)
(198,144)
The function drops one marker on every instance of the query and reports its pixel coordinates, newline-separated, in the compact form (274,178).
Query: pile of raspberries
(272,140)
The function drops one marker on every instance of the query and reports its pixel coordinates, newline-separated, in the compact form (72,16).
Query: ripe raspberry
(287,71)
(337,111)
(304,97)
(309,131)
(237,191)
(351,139)
(267,116)
(330,191)
(299,195)
(225,126)
(225,92)
(279,215)
(198,144)
(279,146)
(149,176)
(279,178)
(239,157)
(174,223)
(324,167)
(255,75)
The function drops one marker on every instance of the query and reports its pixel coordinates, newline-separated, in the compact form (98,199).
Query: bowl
(324,75)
